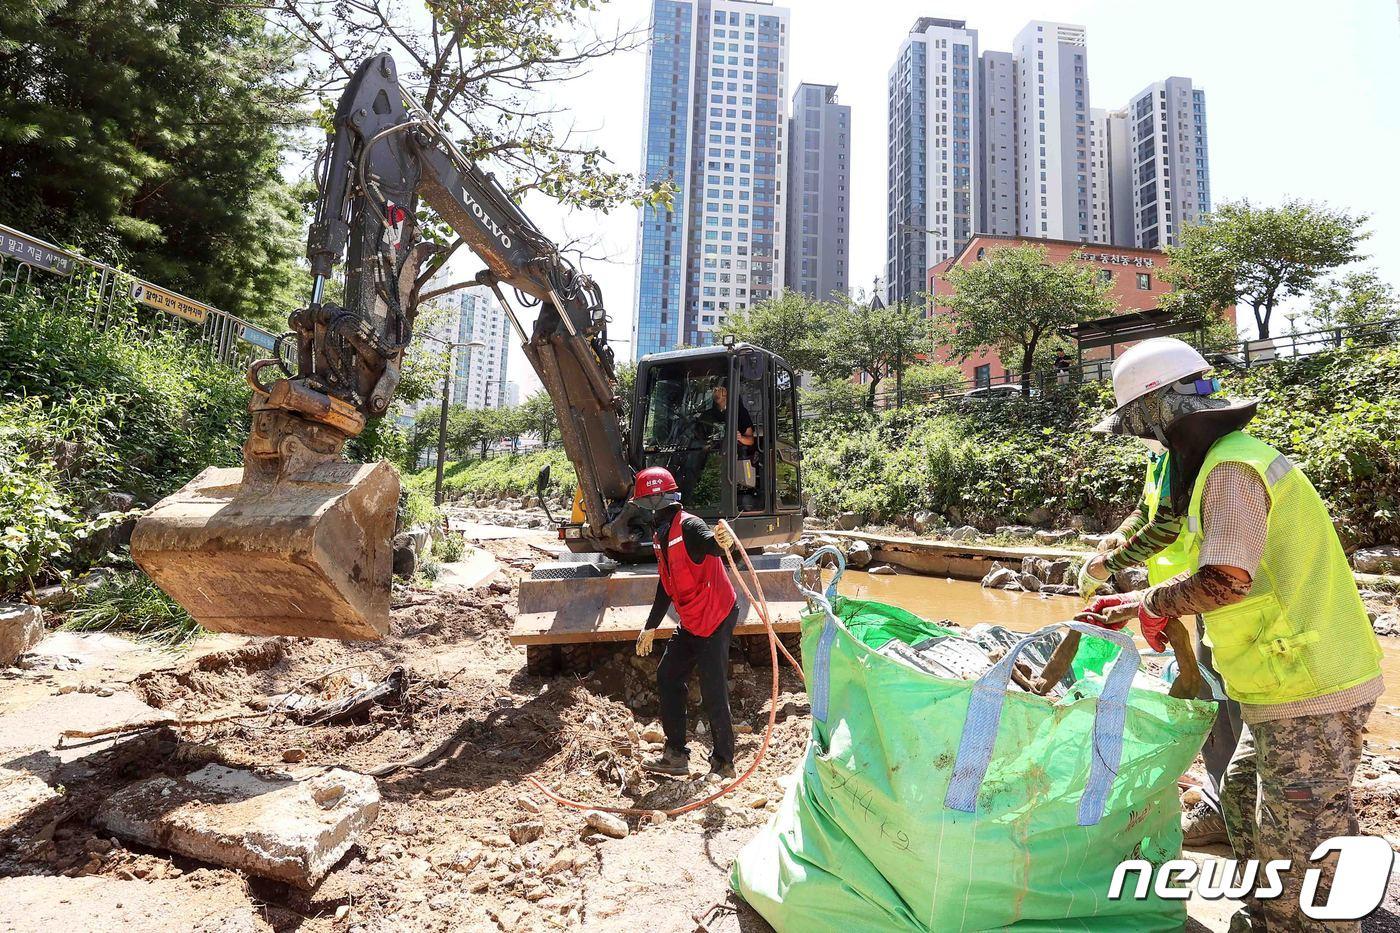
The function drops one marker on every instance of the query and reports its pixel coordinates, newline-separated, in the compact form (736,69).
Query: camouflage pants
(1288,788)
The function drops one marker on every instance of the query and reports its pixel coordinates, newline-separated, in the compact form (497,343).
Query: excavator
(298,540)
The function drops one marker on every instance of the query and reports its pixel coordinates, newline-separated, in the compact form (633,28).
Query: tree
(872,342)
(790,325)
(1258,256)
(924,381)
(1016,300)
(478,69)
(148,133)
(538,411)
(1352,300)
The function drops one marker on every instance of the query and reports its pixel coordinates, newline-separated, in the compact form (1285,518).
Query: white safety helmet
(1148,366)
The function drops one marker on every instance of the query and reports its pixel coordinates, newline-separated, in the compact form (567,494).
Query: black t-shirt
(720,417)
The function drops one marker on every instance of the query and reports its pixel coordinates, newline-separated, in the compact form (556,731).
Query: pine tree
(148,133)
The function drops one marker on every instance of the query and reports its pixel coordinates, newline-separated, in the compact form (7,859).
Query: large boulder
(965,533)
(21,628)
(1133,578)
(858,555)
(1382,559)
(1015,531)
(1058,571)
(1030,582)
(847,521)
(1056,537)
(999,578)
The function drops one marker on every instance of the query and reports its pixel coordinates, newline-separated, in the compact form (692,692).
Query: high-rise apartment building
(479,373)
(1052,108)
(818,192)
(931,157)
(716,114)
(1165,162)
(1100,183)
(998,206)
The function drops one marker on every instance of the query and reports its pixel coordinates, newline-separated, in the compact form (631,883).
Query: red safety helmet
(653,481)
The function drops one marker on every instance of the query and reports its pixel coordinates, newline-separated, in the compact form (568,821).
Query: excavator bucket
(309,555)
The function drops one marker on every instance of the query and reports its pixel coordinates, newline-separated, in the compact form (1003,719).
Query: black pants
(684,652)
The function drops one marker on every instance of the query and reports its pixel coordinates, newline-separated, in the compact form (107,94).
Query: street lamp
(442,419)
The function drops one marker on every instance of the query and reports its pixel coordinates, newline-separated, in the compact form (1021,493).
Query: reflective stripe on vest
(1302,631)
(702,593)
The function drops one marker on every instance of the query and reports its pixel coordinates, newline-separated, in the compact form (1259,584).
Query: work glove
(1111,612)
(1111,542)
(644,640)
(1089,580)
(724,537)
(1153,627)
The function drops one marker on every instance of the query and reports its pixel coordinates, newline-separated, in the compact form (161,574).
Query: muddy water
(967,603)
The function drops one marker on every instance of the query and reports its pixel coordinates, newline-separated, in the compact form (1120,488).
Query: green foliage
(1015,301)
(130,603)
(1258,256)
(1032,460)
(539,415)
(507,475)
(792,325)
(450,547)
(41,523)
(142,413)
(416,506)
(149,132)
(1352,300)
(929,380)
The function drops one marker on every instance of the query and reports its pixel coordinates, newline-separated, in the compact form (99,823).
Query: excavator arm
(384,154)
(298,541)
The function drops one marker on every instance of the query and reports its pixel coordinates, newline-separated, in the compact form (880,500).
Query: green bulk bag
(932,804)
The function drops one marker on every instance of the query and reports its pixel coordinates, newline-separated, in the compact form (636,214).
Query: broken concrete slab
(31,738)
(98,904)
(21,628)
(291,829)
(21,797)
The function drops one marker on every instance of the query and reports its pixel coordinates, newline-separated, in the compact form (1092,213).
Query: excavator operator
(692,576)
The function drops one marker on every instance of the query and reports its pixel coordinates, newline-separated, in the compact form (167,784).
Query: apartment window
(1106,276)
(982,376)
(1144,281)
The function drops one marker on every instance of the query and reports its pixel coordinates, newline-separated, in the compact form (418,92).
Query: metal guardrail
(75,282)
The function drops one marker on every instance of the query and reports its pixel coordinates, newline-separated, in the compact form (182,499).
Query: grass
(129,603)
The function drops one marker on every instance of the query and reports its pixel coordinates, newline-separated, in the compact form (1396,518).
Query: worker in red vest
(692,577)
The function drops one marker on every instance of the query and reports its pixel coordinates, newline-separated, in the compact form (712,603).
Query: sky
(1301,102)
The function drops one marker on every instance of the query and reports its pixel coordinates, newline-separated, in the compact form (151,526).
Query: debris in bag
(967,657)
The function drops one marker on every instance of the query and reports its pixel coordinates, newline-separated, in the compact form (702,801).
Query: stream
(967,603)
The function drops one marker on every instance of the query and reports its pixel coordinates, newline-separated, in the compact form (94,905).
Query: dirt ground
(464,842)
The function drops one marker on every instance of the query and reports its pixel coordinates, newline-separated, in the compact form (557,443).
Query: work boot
(720,770)
(669,762)
(1202,825)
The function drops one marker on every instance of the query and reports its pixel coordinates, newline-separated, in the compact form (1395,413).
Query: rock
(759,801)
(31,737)
(22,796)
(998,577)
(1035,566)
(743,728)
(653,734)
(1134,578)
(1056,537)
(1030,582)
(21,628)
(279,827)
(1387,624)
(1059,589)
(1382,559)
(799,549)
(523,833)
(858,555)
(606,823)
(793,704)
(101,904)
(463,860)
(779,549)
(846,521)
(527,803)
(882,570)
(1039,515)
(965,533)
(1092,540)
(405,559)
(1055,571)
(293,754)
(1016,531)
(825,541)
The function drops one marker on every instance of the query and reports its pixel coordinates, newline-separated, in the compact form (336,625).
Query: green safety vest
(1302,631)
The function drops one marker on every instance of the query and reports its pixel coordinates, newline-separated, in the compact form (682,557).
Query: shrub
(502,476)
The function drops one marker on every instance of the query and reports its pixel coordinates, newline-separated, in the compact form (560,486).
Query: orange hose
(764,613)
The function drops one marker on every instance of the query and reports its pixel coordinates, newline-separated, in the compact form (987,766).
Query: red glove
(1096,611)
(1153,628)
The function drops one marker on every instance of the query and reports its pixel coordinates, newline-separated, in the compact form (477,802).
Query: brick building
(1133,274)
